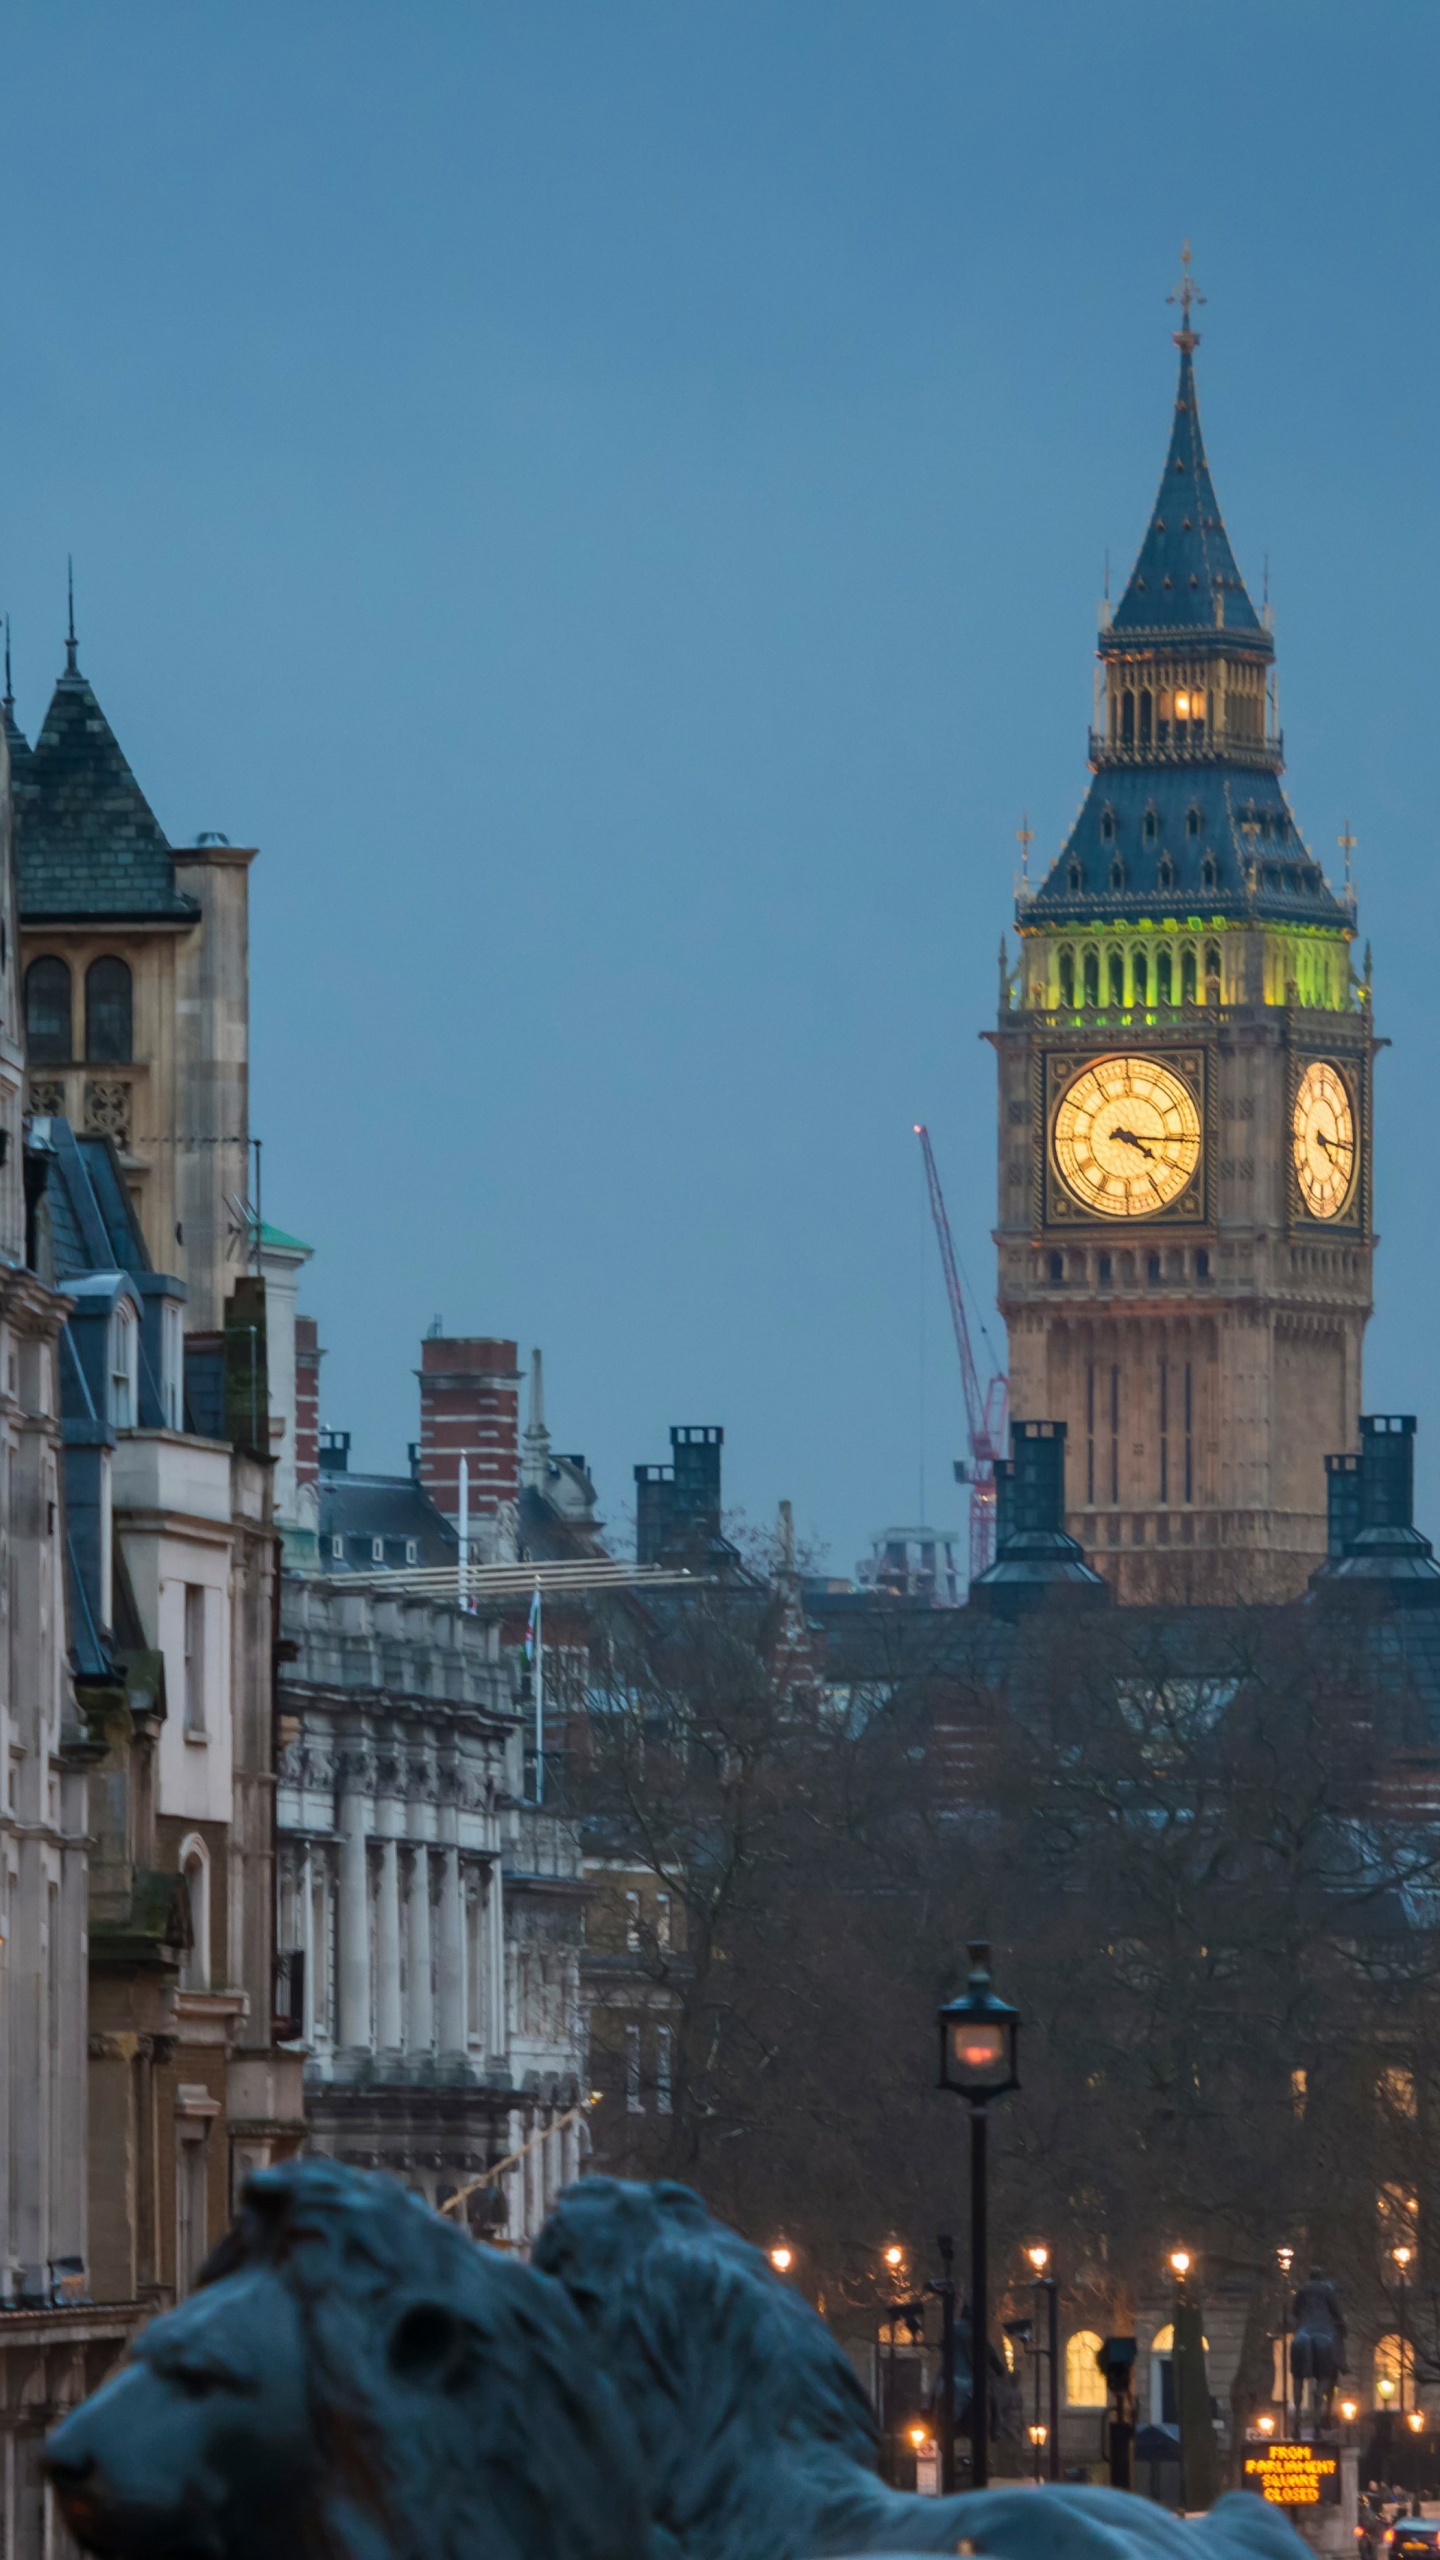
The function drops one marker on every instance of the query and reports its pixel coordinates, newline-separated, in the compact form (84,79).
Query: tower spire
(71,667)
(1186,292)
(9,698)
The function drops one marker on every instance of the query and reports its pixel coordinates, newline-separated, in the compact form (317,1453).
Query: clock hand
(1332,1146)
(1128,1138)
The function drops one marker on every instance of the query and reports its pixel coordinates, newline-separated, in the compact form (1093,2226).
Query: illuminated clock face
(1127,1137)
(1324,1140)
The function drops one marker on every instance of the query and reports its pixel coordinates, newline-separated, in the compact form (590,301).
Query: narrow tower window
(1164,1430)
(1117,873)
(1107,825)
(1208,872)
(1189,1434)
(1166,872)
(1127,719)
(47,1011)
(1146,708)
(1115,1433)
(1090,1432)
(1187,976)
(1139,976)
(108,1031)
(1192,822)
(1092,977)
(1067,979)
(1152,827)
(1117,977)
(1162,977)
(1212,973)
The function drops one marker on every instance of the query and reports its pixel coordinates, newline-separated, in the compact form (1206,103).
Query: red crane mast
(987,1415)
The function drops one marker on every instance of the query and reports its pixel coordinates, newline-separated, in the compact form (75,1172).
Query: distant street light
(782,2259)
(1285,2260)
(1179,2264)
(1402,2256)
(978,2037)
(1039,2258)
(1416,2421)
(894,2256)
(1349,2411)
(1265,2423)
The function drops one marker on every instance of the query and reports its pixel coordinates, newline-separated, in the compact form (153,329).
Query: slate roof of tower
(87,841)
(1186,577)
(1196,835)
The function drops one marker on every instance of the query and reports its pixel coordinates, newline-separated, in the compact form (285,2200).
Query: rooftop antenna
(70,668)
(1186,292)
(1347,847)
(1026,835)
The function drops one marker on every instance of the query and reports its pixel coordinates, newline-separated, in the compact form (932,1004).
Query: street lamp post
(1285,2259)
(946,2431)
(978,2037)
(1402,2256)
(1045,2283)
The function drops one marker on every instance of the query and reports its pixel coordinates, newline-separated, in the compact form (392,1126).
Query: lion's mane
(757,2437)
(454,2393)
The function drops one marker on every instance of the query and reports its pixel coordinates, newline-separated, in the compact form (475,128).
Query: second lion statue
(355,2379)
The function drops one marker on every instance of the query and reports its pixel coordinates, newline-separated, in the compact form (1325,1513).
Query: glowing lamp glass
(1039,2258)
(1182,706)
(1265,2426)
(1180,2263)
(1349,2411)
(1402,2256)
(1385,2387)
(782,2259)
(1415,2421)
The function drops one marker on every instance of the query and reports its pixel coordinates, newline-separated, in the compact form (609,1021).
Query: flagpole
(539,1698)
(464,1577)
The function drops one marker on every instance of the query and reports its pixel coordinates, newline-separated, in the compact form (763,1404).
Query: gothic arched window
(1146,708)
(48,1035)
(1192,822)
(1208,872)
(1152,826)
(1187,976)
(1139,978)
(1117,873)
(1092,977)
(1117,977)
(1107,825)
(1067,978)
(1163,980)
(1166,872)
(109,1033)
(1127,719)
(1077,878)
(1212,964)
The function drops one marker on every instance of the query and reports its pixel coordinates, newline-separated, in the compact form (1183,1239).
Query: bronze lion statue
(355,2380)
(758,2440)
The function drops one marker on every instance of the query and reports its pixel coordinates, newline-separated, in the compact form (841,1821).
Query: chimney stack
(470,1408)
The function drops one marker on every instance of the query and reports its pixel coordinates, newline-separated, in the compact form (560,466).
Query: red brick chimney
(308,1356)
(470,1408)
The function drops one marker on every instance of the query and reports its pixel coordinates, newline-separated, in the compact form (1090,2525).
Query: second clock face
(1127,1137)
(1323,1129)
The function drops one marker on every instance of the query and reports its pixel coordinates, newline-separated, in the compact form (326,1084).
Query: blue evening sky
(611,498)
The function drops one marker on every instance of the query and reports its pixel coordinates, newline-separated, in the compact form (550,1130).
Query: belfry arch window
(1212,970)
(48,1035)
(1117,977)
(1067,979)
(1092,977)
(1127,718)
(109,1038)
(1187,975)
(1163,981)
(1139,976)
(1146,710)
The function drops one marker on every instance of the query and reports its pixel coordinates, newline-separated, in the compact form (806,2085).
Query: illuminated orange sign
(1292,2475)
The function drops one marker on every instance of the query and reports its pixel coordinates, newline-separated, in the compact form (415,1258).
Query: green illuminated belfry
(1185,1090)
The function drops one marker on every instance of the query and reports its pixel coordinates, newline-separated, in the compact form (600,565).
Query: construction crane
(987,1416)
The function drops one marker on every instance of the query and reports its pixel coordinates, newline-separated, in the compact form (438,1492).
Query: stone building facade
(431,1919)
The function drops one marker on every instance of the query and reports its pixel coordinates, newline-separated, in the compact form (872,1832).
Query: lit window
(1182,706)
(1084,2381)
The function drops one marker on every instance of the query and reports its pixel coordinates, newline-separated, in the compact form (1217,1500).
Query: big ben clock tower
(1185,1055)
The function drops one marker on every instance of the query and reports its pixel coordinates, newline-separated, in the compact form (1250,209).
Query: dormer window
(1117,873)
(1077,878)
(1167,872)
(1152,826)
(123,1337)
(1208,872)
(1192,822)
(1107,825)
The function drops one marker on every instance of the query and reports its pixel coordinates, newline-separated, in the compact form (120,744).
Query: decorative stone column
(452,1953)
(419,2005)
(353,1917)
(387,1951)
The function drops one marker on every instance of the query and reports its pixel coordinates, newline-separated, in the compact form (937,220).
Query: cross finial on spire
(70,643)
(1186,292)
(1347,847)
(1026,835)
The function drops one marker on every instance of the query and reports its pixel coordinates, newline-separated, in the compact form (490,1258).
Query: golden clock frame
(1353,1063)
(1055,1070)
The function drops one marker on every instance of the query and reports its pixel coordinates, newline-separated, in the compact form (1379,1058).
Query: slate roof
(1195,833)
(1186,578)
(394,1509)
(87,841)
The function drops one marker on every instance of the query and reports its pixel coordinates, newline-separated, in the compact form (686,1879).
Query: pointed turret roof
(1186,578)
(15,738)
(87,841)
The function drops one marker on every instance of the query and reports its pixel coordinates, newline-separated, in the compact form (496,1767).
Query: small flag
(532,1632)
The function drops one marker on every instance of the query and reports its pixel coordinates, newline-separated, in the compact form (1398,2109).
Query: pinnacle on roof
(86,838)
(1186,578)
(15,738)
